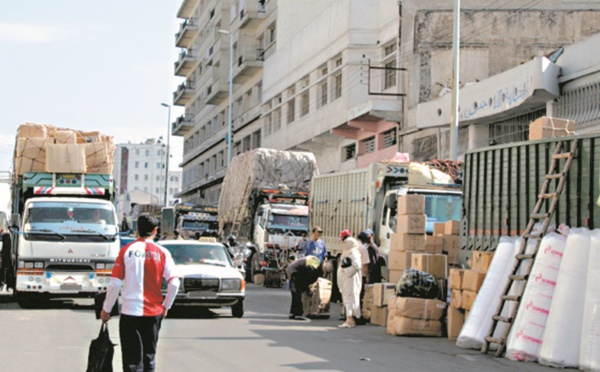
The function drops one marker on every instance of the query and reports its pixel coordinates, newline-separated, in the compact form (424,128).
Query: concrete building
(139,174)
(505,81)
(208,30)
(356,81)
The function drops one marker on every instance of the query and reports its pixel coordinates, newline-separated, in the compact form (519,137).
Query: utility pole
(454,113)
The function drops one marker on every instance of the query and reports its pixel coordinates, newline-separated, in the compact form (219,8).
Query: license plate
(202,294)
(70,287)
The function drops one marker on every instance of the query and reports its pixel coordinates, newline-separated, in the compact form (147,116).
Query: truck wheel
(237,310)
(30,300)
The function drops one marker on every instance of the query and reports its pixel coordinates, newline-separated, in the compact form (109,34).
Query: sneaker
(302,318)
(346,325)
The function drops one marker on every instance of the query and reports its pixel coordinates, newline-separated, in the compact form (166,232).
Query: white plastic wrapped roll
(525,338)
(477,325)
(562,336)
(589,356)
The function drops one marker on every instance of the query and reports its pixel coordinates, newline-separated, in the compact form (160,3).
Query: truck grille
(199,284)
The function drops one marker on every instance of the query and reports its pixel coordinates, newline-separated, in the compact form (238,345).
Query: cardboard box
(30,155)
(411,204)
(411,223)
(547,127)
(399,260)
(30,130)
(472,280)
(382,292)
(367,301)
(468,297)
(379,316)
(258,279)
(64,136)
(69,158)
(434,244)
(439,228)
(434,264)
(394,275)
(452,227)
(455,278)
(451,243)
(407,242)
(401,326)
(417,308)
(99,157)
(443,290)
(454,322)
(482,261)
(456,298)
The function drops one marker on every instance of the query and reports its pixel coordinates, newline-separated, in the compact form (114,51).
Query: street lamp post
(229,129)
(168,150)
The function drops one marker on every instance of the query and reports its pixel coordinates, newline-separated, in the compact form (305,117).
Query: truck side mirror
(15,221)
(392,201)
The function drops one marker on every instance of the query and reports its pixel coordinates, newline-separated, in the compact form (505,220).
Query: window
(158,165)
(272,33)
(146,165)
(145,177)
(147,152)
(158,153)
(291,111)
(390,75)
(323,93)
(389,49)
(246,144)
(368,145)
(256,139)
(136,177)
(137,164)
(337,86)
(276,120)
(305,103)
(349,152)
(267,125)
(137,151)
(157,190)
(338,62)
(389,138)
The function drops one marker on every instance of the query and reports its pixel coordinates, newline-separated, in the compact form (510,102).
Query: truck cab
(442,203)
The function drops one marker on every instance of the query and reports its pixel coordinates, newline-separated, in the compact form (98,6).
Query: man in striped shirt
(138,273)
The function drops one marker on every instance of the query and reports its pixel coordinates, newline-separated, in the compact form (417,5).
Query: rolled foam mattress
(525,339)
(562,336)
(477,325)
(589,353)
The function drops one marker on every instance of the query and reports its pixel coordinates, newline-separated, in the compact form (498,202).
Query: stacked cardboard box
(45,148)
(409,237)
(448,232)
(367,304)
(464,286)
(376,301)
(415,317)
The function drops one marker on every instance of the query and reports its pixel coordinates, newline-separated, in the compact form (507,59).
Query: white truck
(263,201)
(64,227)
(367,198)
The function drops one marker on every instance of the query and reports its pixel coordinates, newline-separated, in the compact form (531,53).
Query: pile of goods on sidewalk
(45,148)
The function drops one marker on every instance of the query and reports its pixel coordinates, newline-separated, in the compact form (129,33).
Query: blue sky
(90,65)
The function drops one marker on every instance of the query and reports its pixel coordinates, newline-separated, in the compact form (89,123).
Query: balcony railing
(187,30)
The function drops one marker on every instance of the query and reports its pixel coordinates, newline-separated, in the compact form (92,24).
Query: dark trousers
(296,307)
(139,336)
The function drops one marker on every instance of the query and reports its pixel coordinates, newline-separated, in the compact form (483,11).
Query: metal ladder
(545,196)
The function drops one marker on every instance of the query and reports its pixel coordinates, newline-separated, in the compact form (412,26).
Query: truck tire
(30,300)
(237,310)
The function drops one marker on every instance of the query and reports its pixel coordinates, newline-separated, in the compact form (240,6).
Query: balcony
(248,62)
(182,125)
(187,31)
(185,92)
(186,62)
(253,14)
(215,87)
(186,10)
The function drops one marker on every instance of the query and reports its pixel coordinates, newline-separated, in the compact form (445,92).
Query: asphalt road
(57,339)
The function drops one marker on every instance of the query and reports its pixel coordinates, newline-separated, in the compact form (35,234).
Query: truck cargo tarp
(264,169)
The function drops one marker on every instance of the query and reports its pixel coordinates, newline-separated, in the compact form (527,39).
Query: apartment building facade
(139,174)
(210,31)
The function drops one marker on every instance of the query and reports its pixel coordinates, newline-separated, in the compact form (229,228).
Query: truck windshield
(70,221)
(282,223)
(442,208)
(200,225)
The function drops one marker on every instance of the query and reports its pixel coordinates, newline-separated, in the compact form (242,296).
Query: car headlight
(231,284)
(38,265)
(29,265)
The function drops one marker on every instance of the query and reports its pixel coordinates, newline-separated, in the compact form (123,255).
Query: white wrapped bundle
(477,325)
(525,338)
(589,356)
(562,337)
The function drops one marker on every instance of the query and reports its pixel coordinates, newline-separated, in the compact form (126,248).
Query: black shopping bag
(101,352)
(99,301)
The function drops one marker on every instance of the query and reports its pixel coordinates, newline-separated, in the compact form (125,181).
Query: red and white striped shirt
(140,267)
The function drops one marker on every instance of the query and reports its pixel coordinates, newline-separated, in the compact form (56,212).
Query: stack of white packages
(525,338)
(562,337)
(589,357)
(478,323)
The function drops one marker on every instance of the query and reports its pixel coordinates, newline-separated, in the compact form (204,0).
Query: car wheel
(237,310)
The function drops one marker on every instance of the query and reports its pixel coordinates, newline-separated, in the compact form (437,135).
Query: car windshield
(284,220)
(192,254)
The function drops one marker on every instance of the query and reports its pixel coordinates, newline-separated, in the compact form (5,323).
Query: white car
(208,277)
